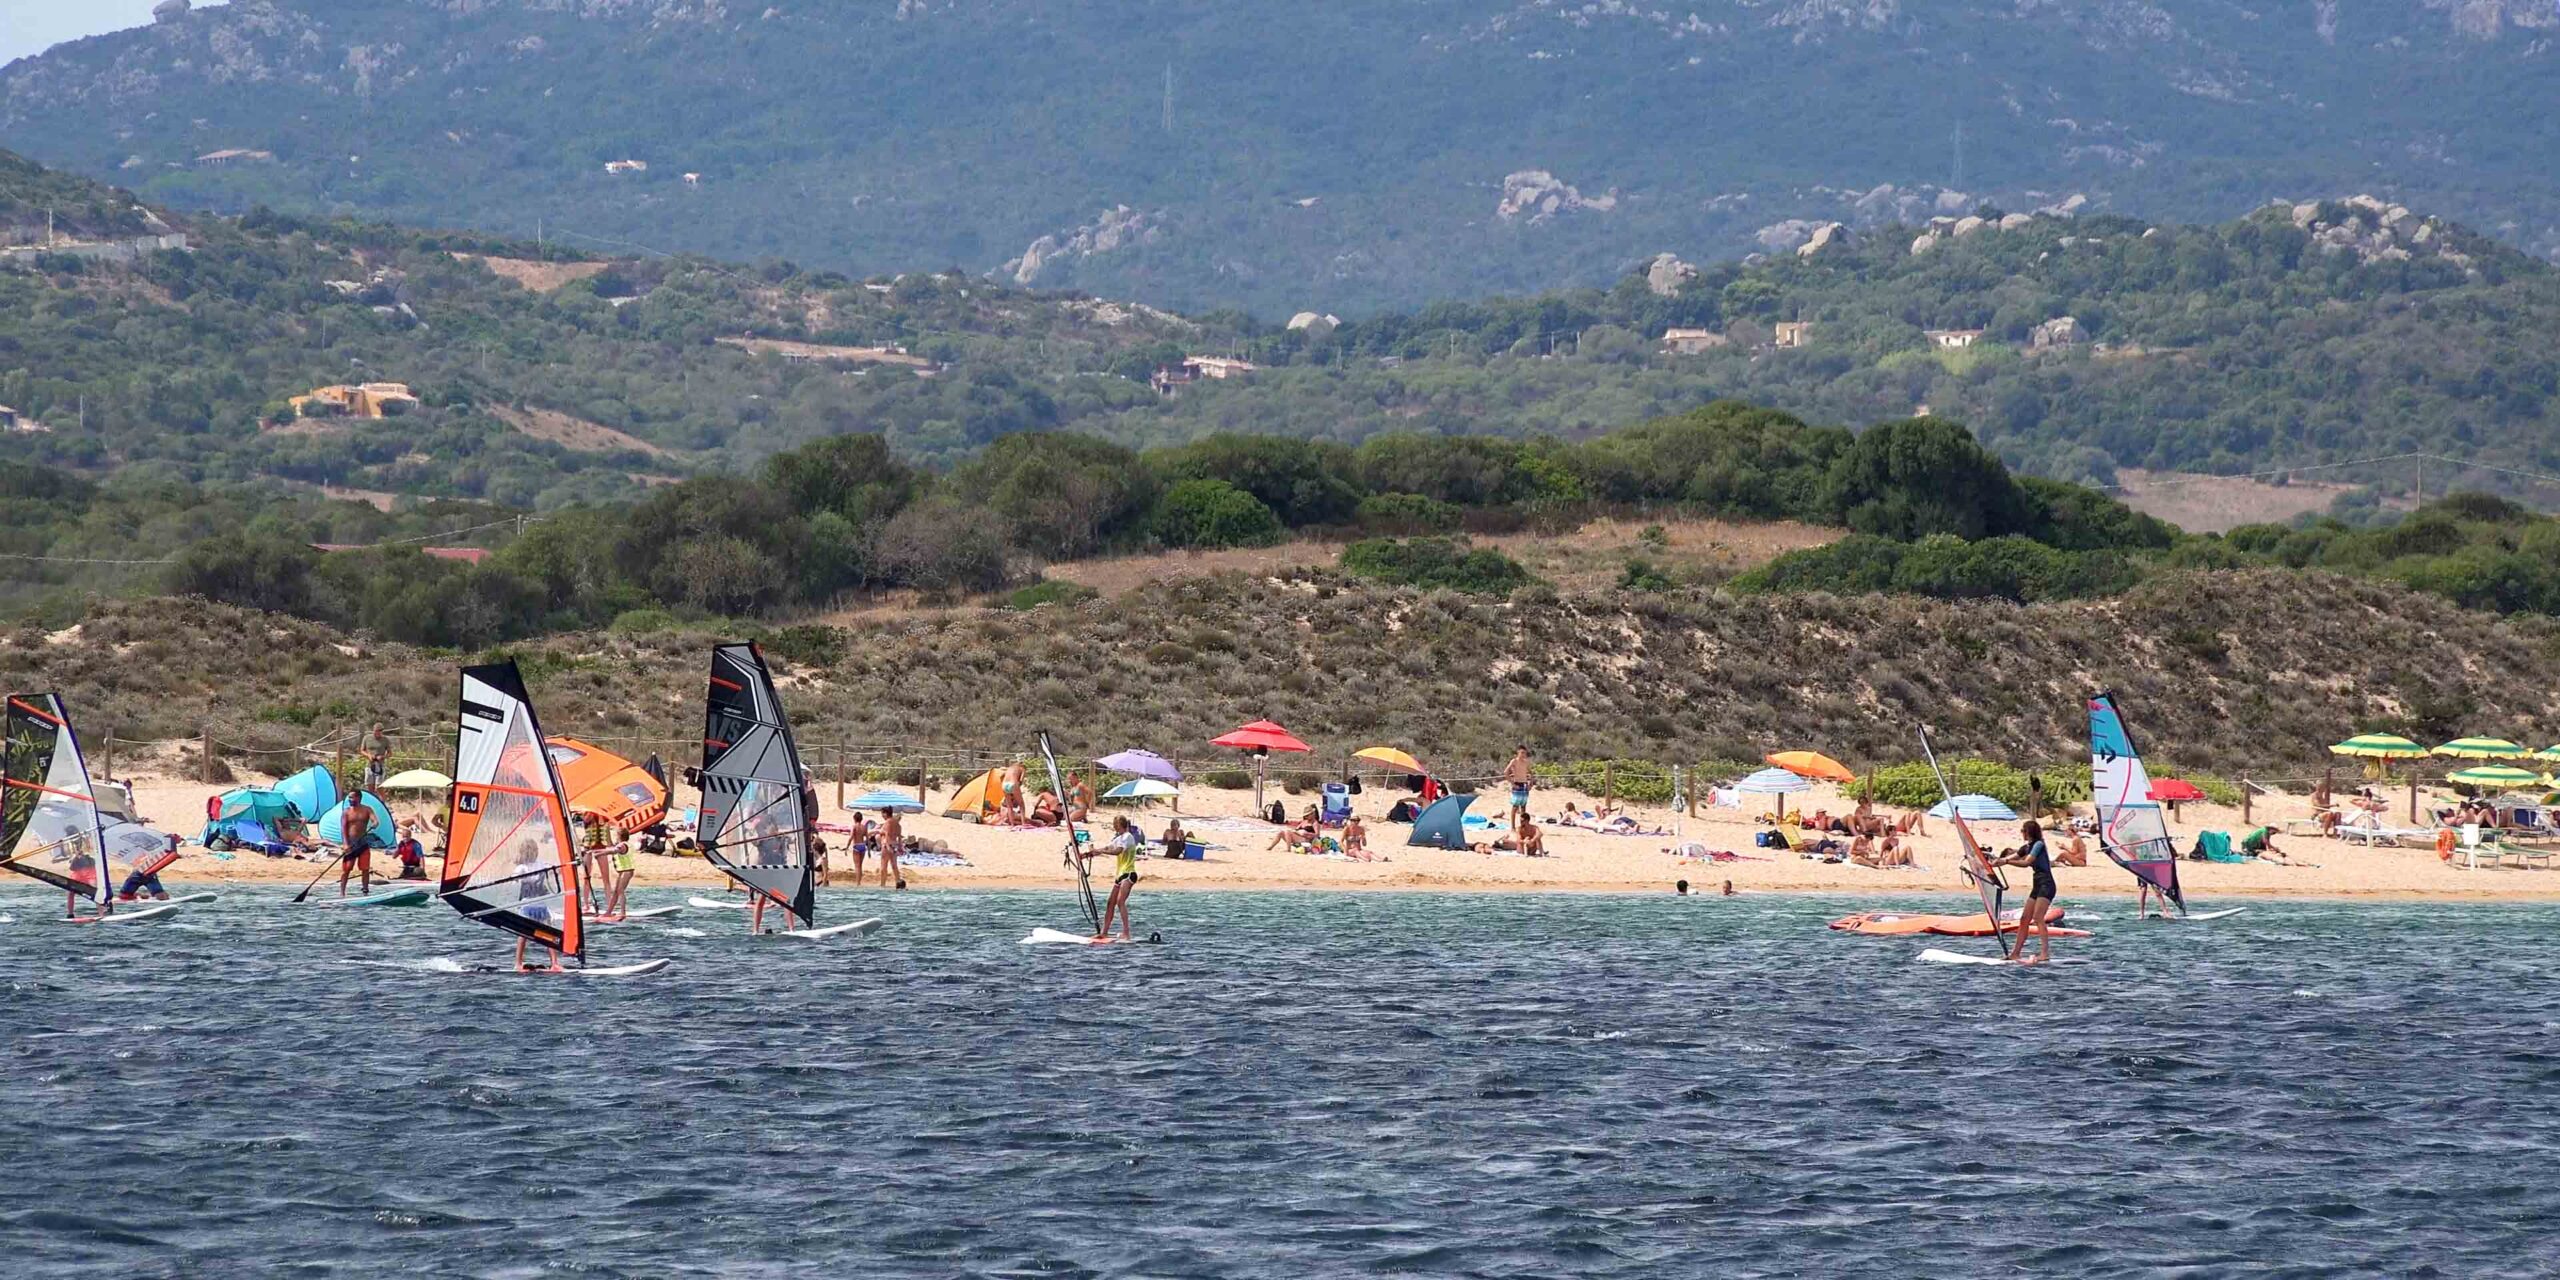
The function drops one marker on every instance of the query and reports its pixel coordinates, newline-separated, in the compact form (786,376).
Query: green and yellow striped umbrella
(2379,746)
(2548,753)
(2483,749)
(2501,776)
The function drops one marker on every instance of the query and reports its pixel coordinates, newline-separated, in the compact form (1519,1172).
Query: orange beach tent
(979,800)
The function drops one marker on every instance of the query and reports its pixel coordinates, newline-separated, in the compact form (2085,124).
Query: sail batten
(49,821)
(756,821)
(509,862)
(2133,829)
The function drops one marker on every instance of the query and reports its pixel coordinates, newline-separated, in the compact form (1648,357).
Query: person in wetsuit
(2040,894)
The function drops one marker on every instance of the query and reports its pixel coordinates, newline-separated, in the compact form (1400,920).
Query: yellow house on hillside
(365,400)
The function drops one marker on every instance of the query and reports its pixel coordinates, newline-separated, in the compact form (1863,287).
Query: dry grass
(573,433)
(541,277)
(2242,674)
(374,498)
(822,351)
(2219,504)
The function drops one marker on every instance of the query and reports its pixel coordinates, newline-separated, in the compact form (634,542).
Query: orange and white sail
(510,862)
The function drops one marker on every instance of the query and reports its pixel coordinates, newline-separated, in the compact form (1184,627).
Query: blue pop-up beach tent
(1443,825)
(333,824)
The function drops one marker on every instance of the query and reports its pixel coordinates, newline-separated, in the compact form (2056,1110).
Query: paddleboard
(857,927)
(1062,938)
(714,904)
(1935,956)
(155,911)
(635,917)
(404,896)
(2216,915)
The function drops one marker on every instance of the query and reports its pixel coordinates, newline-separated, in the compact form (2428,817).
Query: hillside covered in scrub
(1344,157)
(2241,673)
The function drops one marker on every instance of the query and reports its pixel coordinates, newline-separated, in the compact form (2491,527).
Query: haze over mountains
(1335,157)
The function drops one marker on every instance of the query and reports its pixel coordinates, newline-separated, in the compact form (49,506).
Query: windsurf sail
(1975,864)
(49,826)
(2131,826)
(510,862)
(1075,841)
(755,813)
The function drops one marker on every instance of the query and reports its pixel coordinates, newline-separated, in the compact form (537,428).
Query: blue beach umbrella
(899,801)
(1140,789)
(1974,808)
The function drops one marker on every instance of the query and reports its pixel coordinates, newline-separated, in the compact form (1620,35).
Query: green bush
(1448,563)
(1049,591)
(1213,513)
(807,644)
(1228,780)
(1642,781)
(1407,513)
(641,622)
(1915,786)
(1641,575)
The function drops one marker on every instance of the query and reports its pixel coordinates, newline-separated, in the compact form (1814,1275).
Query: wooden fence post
(208,755)
(2248,792)
(1608,784)
(107,756)
(2413,797)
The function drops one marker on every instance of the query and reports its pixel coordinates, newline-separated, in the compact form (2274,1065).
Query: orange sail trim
(509,860)
(38,712)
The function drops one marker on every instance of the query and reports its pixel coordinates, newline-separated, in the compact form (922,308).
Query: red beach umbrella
(2175,791)
(1261,734)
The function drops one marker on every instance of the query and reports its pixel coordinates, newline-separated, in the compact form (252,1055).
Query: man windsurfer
(2040,895)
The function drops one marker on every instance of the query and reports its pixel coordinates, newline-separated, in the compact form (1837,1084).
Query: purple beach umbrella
(1142,764)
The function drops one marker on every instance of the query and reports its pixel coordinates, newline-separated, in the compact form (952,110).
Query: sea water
(1295,1085)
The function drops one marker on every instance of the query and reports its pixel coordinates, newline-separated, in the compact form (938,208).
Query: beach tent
(603,784)
(333,824)
(980,800)
(313,792)
(1974,808)
(1141,764)
(885,798)
(1443,825)
(247,815)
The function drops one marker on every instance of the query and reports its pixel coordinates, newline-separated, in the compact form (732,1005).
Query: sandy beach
(1577,861)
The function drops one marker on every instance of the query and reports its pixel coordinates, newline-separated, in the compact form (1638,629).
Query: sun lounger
(2475,849)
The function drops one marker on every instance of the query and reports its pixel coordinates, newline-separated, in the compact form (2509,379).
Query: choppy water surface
(1298,1085)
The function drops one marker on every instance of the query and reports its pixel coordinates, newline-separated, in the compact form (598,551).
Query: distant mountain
(1340,157)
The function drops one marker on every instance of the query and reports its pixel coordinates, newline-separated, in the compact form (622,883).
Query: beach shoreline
(1579,861)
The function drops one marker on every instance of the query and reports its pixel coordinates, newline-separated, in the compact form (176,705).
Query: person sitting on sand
(1355,840)
(411,854)
(1294,838)
(1045,811)
(1079,798)
(1893,851)
(2261,844)
(1175,842)
(1532,842)
(2074,851)
(1862,850)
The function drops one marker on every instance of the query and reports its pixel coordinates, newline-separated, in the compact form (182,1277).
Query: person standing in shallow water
(2040,894)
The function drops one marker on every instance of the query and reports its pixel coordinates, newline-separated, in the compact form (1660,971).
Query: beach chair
(1336,808)
(2473,848)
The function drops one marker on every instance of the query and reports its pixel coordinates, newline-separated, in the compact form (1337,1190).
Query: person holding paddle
(356,823)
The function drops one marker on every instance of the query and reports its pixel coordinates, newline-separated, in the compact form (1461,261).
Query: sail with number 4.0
(510,863)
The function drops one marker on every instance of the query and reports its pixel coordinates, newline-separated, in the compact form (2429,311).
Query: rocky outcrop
(1535,195)
(2061,331)
(1313,324)
(1827,237)
(2374,230)
(1666,274)
(1118,228)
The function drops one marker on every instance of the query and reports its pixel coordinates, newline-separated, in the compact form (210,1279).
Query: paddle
(325,868)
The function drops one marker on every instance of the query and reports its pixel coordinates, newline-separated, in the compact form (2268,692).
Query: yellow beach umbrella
(2495,775)
(1811,764)
(2378,746)
(2483,749)
(1391,758)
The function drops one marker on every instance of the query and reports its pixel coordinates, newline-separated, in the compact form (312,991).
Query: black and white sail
(756,817)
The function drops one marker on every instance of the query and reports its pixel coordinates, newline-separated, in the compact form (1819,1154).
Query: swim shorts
(2043,888)
(1126,877)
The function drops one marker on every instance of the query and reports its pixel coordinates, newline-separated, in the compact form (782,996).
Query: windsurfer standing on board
(1124,845)
(2040,895)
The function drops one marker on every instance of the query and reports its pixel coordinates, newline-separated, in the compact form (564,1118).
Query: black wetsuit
(2041,863)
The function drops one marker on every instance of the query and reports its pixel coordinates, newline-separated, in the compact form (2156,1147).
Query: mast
(755,820)
(1084,877)
(48,813)
(509,862)
(2131,826)
(1977,866)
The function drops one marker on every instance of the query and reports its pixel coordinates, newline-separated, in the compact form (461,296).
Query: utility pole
(1957,183)
(2422,479)
(1168,97)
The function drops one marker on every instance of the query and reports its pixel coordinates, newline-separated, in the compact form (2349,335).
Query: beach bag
(1278,813)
